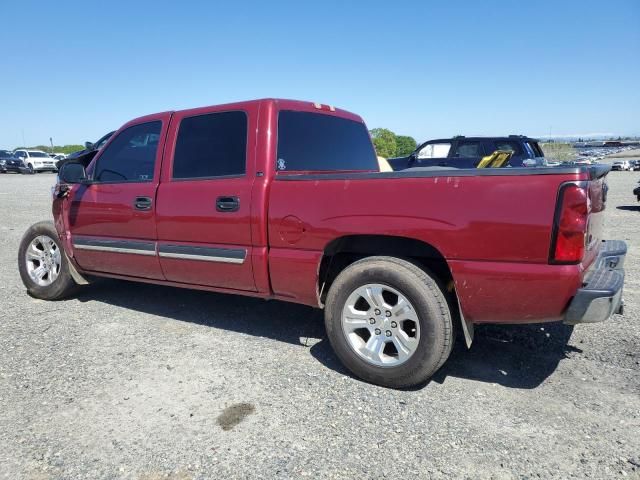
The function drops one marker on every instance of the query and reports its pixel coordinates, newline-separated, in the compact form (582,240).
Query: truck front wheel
(389,322)
(43,265)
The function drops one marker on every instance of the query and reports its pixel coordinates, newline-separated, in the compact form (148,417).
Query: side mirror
(88,145)
(73,172)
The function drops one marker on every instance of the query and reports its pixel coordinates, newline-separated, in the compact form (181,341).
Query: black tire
(424,293)
(63,285)
(30,169)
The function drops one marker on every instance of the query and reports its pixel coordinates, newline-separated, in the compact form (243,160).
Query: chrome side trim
(206,258)
(136,247)
(206,254)
(100,248)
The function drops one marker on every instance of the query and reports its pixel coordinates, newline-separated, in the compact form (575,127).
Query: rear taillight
(570,225)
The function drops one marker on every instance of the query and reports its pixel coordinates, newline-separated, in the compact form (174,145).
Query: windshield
(38,154)
(6,154)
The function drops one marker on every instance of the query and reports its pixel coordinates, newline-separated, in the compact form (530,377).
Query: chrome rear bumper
(601,295)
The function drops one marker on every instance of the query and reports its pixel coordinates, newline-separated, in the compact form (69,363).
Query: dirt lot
(145,382)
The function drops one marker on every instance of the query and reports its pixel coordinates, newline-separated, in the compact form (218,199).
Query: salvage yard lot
(132,381)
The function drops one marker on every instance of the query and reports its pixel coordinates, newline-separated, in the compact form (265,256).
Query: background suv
(466,152)
(36,161)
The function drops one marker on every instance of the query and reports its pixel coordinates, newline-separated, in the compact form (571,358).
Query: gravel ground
(146,382)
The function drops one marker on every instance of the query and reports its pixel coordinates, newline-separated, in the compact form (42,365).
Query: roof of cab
(278,103)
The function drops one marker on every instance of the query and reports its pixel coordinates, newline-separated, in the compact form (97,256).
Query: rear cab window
(315,142)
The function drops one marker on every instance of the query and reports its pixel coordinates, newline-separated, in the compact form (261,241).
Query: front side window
(211,145)
(318,142)
(131,157)
(435,150)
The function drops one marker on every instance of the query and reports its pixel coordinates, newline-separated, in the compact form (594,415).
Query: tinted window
(38,154)
(317,142)
(506,146)
(466,149)
(435,150)
(211,145)
(535,148)
(131,156)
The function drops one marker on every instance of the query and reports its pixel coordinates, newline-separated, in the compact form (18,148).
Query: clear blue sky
(74,70)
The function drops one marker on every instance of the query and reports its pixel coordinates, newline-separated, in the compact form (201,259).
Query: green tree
(384,141)
(405,145)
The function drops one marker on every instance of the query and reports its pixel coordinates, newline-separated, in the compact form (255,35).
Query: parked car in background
(85,156)
(10,163)
(36,161)
(466,152)
(621,165)
(635,164)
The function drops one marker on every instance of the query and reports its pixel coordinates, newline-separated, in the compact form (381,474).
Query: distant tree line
(66,149)
(389,145)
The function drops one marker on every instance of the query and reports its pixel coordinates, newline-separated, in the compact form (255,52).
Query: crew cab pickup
(283,199)
(466,152)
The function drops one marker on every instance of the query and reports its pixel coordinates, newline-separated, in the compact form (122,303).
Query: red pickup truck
(283,200)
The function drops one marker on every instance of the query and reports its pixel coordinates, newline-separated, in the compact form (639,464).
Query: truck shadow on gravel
(515,356)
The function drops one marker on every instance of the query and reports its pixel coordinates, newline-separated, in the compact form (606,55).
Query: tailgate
(598,199)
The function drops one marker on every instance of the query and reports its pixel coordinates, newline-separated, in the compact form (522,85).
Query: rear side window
(535,148)
(211,145)
(317,142)
(507,146)
(467,149)
(131,156)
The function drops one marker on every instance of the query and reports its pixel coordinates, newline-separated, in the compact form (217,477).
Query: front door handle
(227,204)
(142,203)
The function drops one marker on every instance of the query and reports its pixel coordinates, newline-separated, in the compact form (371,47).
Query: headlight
(3,162)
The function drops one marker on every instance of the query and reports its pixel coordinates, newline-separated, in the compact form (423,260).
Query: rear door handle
(227,204)
(142,203)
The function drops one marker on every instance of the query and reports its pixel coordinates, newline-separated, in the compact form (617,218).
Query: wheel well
(343,251)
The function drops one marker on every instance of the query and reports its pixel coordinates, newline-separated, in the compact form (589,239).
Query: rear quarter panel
(494,232)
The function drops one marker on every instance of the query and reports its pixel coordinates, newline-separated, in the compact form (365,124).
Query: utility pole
(51,142)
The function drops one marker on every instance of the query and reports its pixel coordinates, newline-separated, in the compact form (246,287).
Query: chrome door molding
(206,254)
(136,247)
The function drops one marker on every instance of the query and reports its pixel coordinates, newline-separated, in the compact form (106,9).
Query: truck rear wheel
(389,322)
(43,265)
